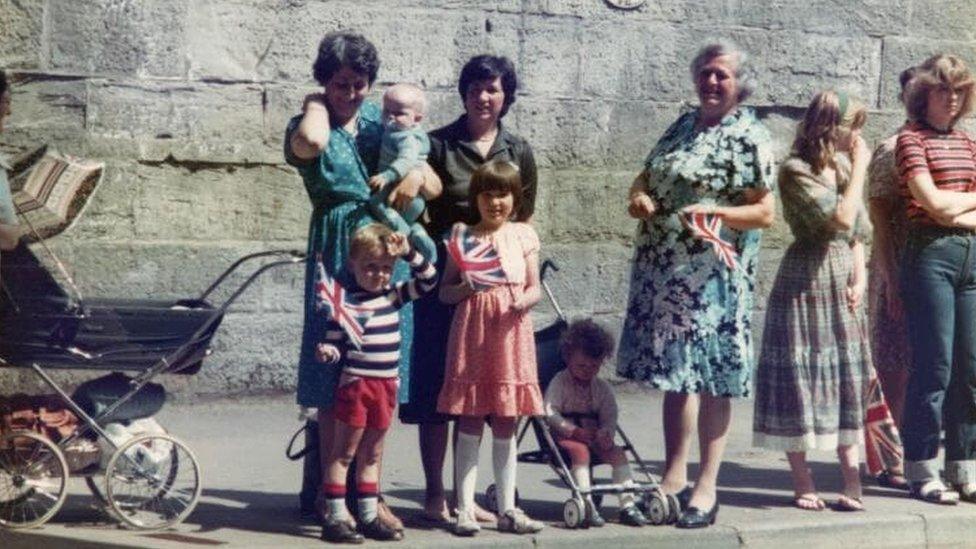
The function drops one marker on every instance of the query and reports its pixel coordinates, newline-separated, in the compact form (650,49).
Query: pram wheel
(152,482)
(660,509)
(573,513)
(33,479)
(491,498)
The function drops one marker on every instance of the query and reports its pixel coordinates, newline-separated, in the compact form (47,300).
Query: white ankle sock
(503,459)
(337,508)
(367,509)
(466,469)
(623,475)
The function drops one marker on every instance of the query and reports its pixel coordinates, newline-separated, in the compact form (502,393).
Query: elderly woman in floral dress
(688,329)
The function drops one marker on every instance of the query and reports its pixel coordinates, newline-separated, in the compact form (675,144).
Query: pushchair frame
(661,508)
(143,487)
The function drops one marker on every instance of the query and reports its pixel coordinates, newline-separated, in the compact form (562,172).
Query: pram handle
(294,256)
(546,265)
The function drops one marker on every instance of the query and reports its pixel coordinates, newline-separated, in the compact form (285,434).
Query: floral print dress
(688,327)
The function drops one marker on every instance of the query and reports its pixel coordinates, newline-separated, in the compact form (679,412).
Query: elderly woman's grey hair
(745,74)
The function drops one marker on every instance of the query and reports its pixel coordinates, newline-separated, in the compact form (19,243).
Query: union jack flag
(478,262)
(335,301)
(708,227)
(882,442)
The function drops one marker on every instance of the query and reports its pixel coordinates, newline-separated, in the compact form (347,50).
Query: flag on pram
(478,261)
(708,227)
(882,442)
(335,301)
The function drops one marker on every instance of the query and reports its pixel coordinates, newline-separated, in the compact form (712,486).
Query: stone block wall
(186,101)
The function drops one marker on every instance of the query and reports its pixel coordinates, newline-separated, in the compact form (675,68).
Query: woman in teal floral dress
(688,325)
(334,144)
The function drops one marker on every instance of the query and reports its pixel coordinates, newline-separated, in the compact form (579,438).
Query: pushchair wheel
(573,513)
(491,498)
(33,479)
(152,482)
(658,508)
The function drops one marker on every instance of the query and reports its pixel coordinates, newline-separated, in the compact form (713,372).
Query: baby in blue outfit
(405,146)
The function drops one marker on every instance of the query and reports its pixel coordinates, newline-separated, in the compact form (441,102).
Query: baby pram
(660,508)
(151,480)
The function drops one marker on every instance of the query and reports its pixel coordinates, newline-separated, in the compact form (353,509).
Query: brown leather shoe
(386,516)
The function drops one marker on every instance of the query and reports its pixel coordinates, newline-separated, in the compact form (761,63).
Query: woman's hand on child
(397,245)
(327,353)
(406,190)
(377,182)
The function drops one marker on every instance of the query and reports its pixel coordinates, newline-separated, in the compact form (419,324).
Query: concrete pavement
(250,494)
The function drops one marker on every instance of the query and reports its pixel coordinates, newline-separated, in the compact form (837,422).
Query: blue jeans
(940,299)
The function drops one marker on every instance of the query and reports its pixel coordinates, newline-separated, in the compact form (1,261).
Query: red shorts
(366,402)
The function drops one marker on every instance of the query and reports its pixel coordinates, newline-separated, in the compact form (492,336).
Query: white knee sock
(581,475)
(503,459)
(466,469)
(623,475)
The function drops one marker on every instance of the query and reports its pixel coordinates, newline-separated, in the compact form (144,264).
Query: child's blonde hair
(369,240)
(497,175)
(588,337)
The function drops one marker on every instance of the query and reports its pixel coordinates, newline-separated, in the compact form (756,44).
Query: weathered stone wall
(186,101)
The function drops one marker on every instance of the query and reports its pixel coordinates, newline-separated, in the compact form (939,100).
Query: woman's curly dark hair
(3,82)
(345,49)
(490,67)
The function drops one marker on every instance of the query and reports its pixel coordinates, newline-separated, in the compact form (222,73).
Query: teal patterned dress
(688,327)
(336,185)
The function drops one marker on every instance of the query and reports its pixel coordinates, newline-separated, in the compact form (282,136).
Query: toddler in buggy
(655,506)
(582,412)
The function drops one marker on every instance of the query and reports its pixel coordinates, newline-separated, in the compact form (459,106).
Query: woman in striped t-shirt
(937,169)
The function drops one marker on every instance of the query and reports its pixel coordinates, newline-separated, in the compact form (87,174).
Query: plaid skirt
(815,362)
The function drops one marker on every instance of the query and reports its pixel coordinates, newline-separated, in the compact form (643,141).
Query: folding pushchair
(151,480)
(660,508)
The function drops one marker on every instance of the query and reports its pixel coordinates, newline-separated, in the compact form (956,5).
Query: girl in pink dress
(491,368)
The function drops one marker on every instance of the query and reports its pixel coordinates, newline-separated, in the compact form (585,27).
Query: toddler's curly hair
(588,337)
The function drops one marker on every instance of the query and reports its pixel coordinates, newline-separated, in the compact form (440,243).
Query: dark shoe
(683,496)
(632,516)
(694,517)
(593,517)
(340,531)
(380,531)
(887,479)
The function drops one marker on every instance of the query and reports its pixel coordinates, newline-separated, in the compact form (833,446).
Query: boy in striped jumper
(367,392)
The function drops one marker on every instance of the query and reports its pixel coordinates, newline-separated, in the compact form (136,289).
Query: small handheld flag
(708,227)
(334,300)
(478,262)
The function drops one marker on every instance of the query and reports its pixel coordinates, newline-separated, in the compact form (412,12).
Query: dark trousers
(940,288)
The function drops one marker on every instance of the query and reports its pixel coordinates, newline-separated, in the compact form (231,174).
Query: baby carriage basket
(660,508)
(150,480)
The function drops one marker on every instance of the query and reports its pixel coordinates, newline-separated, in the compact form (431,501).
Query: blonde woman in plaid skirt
(815,361)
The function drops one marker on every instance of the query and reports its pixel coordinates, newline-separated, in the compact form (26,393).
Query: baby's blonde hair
(369,240)
(413,93)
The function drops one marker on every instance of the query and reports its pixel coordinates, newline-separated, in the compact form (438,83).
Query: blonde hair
(816,135)
(408,94)
(939,71)
(369,240)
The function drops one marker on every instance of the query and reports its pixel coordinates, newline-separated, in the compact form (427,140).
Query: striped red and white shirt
(949,157)
(379,354)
